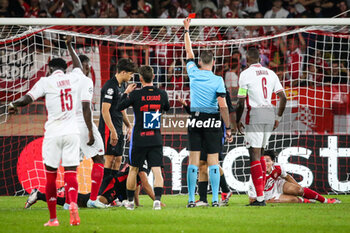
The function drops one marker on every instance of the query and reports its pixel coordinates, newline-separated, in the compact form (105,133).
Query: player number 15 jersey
(60,91)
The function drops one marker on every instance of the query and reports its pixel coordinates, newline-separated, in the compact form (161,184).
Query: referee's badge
(151,120)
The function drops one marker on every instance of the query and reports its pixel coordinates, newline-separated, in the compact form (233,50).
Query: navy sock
(158,192)
(130,194)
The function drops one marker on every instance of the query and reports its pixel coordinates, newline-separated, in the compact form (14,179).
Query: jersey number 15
(66,100)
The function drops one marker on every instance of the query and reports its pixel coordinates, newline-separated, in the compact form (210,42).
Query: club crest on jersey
(110,91)
(151,120)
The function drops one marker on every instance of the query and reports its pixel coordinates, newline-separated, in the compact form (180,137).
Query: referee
(204,131)
(146,141)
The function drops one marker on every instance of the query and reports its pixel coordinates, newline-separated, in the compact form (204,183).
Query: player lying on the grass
(203,165)
(115,190)
(281,187)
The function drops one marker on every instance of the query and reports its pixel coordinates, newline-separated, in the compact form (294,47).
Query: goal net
(312,63)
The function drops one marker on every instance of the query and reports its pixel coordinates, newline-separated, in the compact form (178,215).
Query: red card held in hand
(192,16)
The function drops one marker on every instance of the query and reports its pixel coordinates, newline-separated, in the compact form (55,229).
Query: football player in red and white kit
(91,146)
(281,187)
(61,139)
(256,85)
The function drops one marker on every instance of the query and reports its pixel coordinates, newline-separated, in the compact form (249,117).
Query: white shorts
(276,191)
(257,136)
(62,150)
(95,149)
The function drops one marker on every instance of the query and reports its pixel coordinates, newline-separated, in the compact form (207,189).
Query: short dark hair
(253,53)
(147,73)
(207,57)
(126,65)
(58,63)
(235,63)
(83,58)
(271,154)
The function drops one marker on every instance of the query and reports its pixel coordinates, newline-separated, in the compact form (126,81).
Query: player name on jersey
(63,83)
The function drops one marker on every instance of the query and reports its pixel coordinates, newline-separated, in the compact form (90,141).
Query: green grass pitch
(237,217)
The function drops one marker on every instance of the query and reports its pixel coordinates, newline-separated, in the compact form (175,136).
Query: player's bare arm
(128,125)
(136,196)
(282,106)
(233,122)
(188,46)
(226,117)
(239,112)
(88,121)
(23,101)
(125,100)
(147,187)
(73,54)
(126,121)
(108,120)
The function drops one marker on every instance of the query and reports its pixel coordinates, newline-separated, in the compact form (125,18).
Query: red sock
(66,193)
(303,200)
(51,192)
(96,179)
(263,167)
(70,177)
(257,176)
(310,194)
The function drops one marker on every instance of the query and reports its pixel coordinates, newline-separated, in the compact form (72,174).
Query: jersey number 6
(263,82)
(66,100)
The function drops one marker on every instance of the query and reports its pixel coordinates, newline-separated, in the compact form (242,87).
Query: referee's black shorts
(209,138)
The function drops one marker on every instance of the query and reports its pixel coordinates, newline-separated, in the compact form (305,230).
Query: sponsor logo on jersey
(151,120)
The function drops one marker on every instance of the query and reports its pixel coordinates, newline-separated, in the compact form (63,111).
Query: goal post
(311,60)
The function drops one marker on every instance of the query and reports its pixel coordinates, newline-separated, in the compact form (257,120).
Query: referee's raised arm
(188,46)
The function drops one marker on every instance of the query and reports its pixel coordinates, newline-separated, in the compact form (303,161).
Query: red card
(192,15)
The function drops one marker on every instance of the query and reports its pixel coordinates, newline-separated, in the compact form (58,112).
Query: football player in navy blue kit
(146,140)
(113,119)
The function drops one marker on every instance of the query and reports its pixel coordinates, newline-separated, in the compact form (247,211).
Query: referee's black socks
(158,192)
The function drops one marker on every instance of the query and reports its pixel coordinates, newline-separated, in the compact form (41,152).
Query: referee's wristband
(186,31)
(278,118)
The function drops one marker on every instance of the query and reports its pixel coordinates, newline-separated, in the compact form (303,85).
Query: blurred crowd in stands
(285,55)
(174,8)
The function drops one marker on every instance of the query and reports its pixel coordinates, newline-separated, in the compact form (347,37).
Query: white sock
(260,198)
